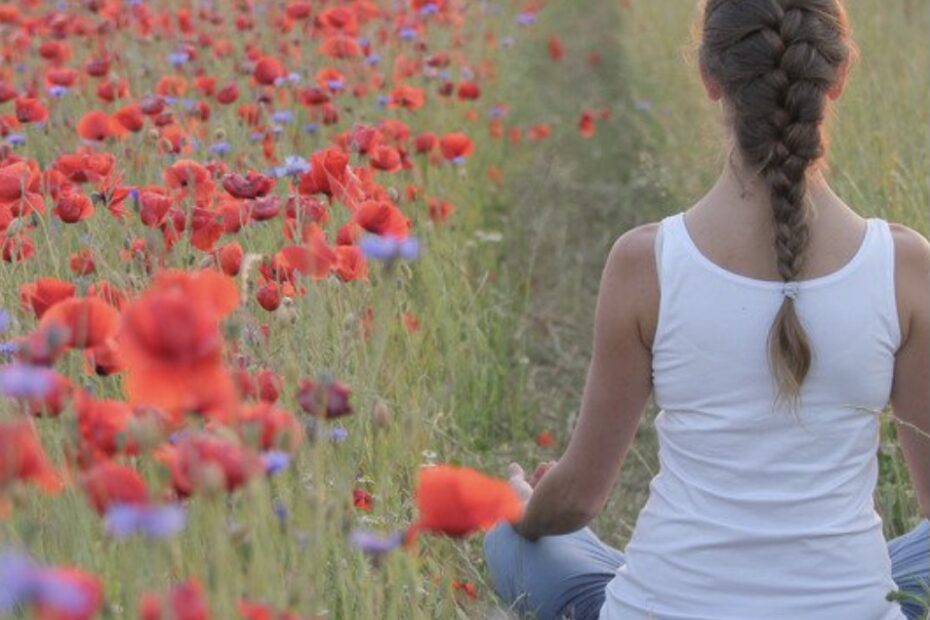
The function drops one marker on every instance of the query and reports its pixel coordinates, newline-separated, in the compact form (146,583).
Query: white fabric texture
(758,513)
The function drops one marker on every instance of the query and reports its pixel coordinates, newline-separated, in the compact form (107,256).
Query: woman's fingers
(541,470)
(517,479)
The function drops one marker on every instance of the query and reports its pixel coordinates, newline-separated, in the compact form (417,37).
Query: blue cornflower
(294,165)
(280,511)
(15,139)
(57,91)
(373,544)
(178,58)
(388,248)
(525,19)
(338,434)
(23,582)
(24,381)
(275,461)
(220,148)
(150,521)
(498,111)
(283,116)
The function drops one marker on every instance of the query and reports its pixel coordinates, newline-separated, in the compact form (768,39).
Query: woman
(769,361)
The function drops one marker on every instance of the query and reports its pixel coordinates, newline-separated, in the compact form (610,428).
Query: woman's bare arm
(618,385)
(910,393)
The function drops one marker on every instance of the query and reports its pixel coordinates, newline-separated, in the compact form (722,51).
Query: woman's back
(759,512)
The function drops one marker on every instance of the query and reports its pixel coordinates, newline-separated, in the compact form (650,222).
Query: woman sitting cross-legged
(772,325)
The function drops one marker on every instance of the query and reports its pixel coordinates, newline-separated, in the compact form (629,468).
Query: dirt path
(567,207)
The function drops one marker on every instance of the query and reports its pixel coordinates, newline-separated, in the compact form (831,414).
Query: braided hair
(776,61)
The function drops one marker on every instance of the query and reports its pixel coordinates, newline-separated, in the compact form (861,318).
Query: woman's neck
(742,192)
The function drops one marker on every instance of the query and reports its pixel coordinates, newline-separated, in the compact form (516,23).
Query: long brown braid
(776,61)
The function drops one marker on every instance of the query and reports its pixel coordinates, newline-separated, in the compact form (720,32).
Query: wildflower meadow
(286,284)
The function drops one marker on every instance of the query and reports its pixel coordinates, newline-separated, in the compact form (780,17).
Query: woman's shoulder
(632,262)
(912,274)
(634,250)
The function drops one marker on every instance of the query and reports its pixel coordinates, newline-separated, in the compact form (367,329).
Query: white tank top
(757,513)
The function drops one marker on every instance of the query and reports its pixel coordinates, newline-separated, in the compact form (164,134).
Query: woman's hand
(541,471)
(523,487)
(518,482)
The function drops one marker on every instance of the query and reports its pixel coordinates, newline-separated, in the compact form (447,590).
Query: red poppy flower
(439,210)
(268,70)
(90,321)
(108,292)
(298,10)
(466,587)
(386,158)
(44,293)
(103,426)
(82,262)
(108,483)
(269,385)
(172,348)
(339,18)
(22,457)
(362,500)
(382,218)
(426,142)
(19,186)
(252,185)
(111,90)
(456,145)
(545,439)
(30,110)
(189,176)
(154,205)
(269,296)
(329,399)
(408,97)
(229,258)
(350,263)
(228,94)
(73,206)
(458,501)
(204,462)
(130,117)
(556,49)
(53,402)
(99,126)
(327,174)
(340,46)
(271,427)
(469,91)
(186,601)
(17,248)
(586,126)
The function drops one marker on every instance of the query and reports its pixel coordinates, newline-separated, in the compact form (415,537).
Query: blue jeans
(567,575)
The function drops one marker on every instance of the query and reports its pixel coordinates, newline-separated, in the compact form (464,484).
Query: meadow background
(504,296)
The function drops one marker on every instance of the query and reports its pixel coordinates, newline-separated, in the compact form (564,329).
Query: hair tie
(791,290)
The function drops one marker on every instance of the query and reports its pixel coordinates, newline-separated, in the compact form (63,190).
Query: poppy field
(285,284)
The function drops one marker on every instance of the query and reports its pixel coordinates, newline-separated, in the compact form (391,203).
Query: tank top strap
(885,271)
